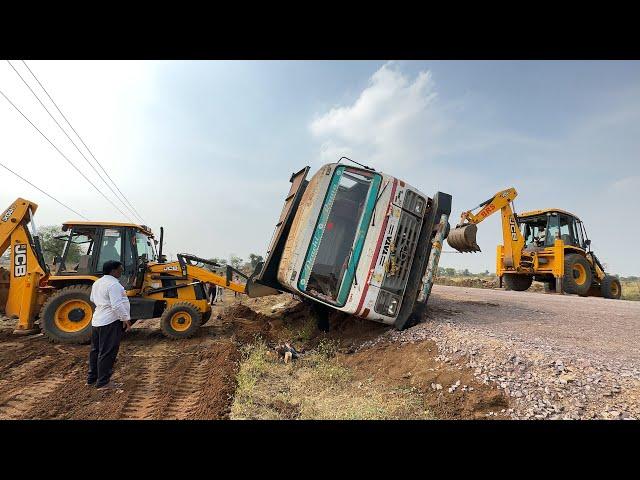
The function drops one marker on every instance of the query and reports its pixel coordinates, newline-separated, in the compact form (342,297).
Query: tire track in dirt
(19,404)
(143,402)
(189,389)
(20,369)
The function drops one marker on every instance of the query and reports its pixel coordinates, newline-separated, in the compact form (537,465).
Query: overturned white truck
(356,240)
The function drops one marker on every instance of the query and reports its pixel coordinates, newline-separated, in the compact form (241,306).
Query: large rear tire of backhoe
(516,282)
(610,287)
(182,320)
(66,315)
(577,274)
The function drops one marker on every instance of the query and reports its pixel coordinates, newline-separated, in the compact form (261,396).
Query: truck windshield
(339,235)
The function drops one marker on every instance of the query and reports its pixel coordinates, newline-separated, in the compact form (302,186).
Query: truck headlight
(419,206)
(391,309)
(387,303)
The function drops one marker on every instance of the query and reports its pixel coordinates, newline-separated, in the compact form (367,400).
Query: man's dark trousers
(105,342)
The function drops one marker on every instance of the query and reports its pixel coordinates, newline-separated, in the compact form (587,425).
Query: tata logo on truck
(20,260)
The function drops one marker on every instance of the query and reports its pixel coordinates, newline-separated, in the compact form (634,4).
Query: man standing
(110,318)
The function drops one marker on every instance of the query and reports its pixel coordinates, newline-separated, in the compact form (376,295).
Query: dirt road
(608,329)
(162,379)
(556,356)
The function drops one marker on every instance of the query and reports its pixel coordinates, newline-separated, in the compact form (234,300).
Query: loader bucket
(463,238)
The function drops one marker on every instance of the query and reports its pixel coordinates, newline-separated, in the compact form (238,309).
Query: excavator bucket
(463,238)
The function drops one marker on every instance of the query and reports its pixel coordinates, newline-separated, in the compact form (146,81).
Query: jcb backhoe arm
(18,233)
(463,237)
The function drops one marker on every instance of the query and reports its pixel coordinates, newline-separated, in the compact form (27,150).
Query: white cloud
(394,120)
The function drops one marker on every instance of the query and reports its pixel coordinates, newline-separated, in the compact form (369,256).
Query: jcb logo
(172,268)
(513,228)
(20,260)
(7,214)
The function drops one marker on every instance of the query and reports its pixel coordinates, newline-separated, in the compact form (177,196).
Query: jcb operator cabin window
(111,246)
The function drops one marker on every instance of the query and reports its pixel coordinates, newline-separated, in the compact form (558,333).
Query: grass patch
(316,386)
(630,289)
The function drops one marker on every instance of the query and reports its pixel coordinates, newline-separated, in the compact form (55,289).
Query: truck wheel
(577,274)
(610,287)
(181,320)
(66,315)
(516,282)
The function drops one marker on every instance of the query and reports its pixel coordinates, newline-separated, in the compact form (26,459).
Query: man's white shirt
(110,300)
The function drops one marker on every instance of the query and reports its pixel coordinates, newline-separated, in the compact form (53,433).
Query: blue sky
(206,148)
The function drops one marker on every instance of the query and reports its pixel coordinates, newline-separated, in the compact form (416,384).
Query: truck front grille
(403,249)
(413,200)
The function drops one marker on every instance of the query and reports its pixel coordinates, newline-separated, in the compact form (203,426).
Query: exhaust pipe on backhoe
(463,238)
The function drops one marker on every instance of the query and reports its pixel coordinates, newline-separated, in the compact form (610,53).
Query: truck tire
(66,315)
(577,274)
(610,287)
(182,320)
(516,282)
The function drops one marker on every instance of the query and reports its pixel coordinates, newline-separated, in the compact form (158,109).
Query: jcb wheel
(205,317)
(610,287)
(181,320)
(577,274)
(66,315)
(516,282)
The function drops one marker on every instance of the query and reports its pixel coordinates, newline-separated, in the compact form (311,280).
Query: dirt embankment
(350,372)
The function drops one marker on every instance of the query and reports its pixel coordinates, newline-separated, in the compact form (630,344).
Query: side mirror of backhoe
(587,242)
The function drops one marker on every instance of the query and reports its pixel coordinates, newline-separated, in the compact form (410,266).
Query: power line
(81,140)
(38,188)
(63,155)
(67,135)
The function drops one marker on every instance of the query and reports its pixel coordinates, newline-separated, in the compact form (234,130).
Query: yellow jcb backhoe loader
(549,246)
(173,291)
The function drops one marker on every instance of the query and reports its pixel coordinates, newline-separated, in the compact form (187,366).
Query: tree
(219,261)
(54,247)
(235,261)
(466,272)
(255,259)
(450,272)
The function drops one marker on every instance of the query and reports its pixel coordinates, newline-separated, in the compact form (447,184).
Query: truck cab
(355,240)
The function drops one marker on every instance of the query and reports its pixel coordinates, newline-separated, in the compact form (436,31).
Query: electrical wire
(82,141)
(39,189)
(67,135)
(63,155)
